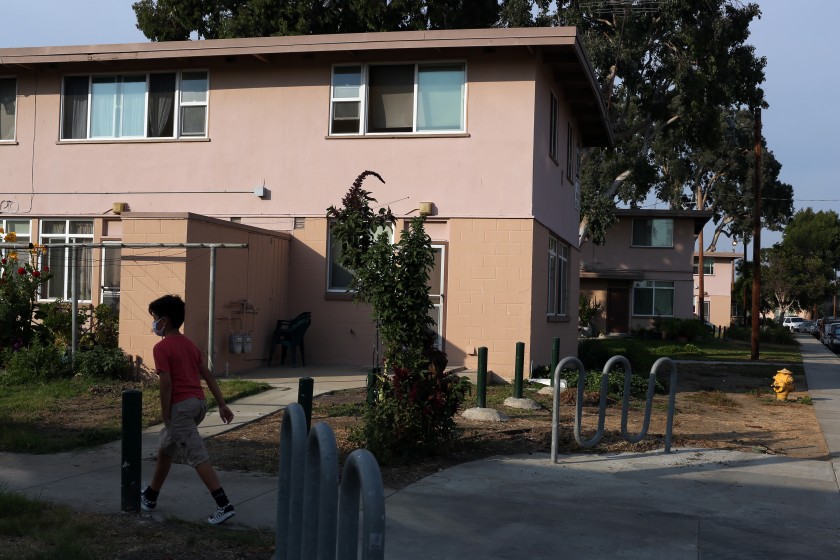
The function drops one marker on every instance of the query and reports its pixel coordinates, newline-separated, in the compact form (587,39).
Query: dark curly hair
(172,307)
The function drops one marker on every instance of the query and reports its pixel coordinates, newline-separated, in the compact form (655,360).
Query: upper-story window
(708,266)
(552,128)
(160,105)
(8,104)
(398,99)
(653,232)
(570,151)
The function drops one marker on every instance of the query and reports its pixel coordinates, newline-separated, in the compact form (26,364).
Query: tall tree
(668,73)
(793,279)
(172,20)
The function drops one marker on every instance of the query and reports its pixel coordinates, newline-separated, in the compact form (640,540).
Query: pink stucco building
(718,280)
(643,270)
(250,140)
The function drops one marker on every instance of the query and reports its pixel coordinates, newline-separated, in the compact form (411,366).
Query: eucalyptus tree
(667,74)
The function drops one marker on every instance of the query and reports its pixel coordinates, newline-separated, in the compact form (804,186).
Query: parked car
(791,322)
(827,326)
(833,337)
(804,326)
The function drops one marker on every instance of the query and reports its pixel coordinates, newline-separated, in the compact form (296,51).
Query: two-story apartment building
(644,269)
(248,141)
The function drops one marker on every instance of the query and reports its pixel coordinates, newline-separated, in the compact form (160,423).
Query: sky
(797,38)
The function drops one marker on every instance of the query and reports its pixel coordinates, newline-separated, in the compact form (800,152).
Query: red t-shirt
(181,358)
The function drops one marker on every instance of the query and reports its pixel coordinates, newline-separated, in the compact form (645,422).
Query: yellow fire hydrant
(783,384)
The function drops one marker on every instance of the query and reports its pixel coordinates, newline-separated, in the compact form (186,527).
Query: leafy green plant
(105,363)
(615,384)
(416,402)
(414,416)
(35,363)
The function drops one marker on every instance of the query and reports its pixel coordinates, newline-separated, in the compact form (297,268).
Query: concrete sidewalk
(691,503)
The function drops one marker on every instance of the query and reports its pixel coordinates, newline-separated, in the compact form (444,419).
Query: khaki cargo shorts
(182,432)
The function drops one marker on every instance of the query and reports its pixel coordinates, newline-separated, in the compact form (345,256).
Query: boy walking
(178,364)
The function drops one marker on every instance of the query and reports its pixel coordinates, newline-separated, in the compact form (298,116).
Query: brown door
(618,310)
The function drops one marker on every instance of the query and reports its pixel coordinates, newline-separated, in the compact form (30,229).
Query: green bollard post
(481,390)
(517,376)
(306,387)
(132,449)
(555,358)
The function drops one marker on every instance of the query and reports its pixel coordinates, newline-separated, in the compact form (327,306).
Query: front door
(618,310)
(436,295)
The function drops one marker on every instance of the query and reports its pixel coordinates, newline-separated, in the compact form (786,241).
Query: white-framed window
(552,128)
(653,232)
(23,233)
(127,106)
(708,266)
(8,108)
(110,289)
(653,298)
(59,258)
(339,277)
(398,98)
(558,278)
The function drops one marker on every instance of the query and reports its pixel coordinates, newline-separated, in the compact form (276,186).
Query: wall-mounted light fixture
(119,207)
(426,208)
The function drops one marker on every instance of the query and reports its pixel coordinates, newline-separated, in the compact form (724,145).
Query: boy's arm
(224,412)
(165,395)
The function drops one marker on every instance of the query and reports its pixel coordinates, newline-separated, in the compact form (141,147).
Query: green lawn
(79,413)
(715,350)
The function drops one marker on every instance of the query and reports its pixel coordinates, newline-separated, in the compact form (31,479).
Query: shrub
(36,363)
(106,363)
(413,416)
(56,322)
(20,284)
(615,385)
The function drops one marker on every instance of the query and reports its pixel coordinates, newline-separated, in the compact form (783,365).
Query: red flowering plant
(20,283)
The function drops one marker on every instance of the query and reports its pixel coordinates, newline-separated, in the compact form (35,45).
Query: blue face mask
(155,327)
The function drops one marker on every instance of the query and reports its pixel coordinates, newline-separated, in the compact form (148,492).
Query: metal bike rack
(361,481)
(320,489)
(318,519)
(625,403)
(287,535)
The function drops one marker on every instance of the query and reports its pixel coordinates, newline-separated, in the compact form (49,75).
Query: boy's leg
(162,466)
(208,476)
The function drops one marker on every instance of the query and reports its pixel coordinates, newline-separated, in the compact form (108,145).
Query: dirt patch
(717,406)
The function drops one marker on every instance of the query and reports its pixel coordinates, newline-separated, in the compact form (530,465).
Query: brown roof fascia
(533,37)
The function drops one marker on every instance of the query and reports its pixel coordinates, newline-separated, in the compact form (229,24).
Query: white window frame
(667,244)
(13,139)
(708,266)
(363,99)
(558,278)
(66,237)
(107,252)
(334,289)
(178,106)
(23,254)
(655,286)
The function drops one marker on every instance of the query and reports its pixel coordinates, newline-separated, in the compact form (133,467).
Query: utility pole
(756,287)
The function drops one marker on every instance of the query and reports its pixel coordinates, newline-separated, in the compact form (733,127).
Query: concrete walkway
(691,503)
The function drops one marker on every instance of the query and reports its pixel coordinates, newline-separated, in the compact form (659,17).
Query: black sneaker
(222,514)
(146,503)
